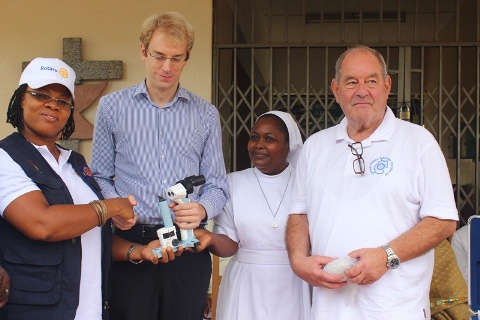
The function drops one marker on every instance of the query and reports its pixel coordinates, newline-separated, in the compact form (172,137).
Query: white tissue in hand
(339,266)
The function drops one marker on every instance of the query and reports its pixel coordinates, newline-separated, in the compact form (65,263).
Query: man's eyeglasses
(46,98)
(359,163)
(160,58)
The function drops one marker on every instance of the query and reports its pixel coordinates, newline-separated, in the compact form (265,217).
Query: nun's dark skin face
(268,146)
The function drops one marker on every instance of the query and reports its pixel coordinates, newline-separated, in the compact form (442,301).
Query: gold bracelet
(129,251)
(101,210)
(97,211)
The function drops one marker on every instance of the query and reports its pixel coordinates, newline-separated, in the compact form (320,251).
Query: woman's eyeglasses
(359,163)
(46,98)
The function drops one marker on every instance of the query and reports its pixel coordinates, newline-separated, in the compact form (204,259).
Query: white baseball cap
(44,71)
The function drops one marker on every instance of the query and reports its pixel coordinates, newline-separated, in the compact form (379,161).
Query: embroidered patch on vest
(86,171)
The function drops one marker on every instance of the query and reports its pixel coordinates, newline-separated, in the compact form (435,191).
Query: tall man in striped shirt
(148,137)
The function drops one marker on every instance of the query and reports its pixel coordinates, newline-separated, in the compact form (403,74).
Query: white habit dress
(258,282)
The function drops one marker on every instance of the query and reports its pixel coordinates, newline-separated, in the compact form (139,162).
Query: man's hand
(188,215)
(307,267)
(126,219)
(371,266)
(4,287)
(123,224)
(310,269)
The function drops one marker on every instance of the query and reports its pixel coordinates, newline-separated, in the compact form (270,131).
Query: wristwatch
(392,259)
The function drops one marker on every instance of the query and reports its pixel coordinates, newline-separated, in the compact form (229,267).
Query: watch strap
(388,250)
(392,259)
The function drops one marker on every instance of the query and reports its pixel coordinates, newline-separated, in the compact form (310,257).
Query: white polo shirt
(405,180)
(17,184)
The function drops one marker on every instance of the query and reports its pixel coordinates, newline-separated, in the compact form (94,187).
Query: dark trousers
(176,290)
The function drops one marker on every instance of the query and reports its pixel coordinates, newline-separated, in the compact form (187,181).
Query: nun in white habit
(258,282)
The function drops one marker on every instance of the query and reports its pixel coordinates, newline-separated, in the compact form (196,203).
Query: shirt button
(163,156)
(164,181)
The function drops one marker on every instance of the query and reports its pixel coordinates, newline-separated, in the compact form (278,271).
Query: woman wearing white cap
(258,282)
(55,243)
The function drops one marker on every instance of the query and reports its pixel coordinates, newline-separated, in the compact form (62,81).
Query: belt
(262,257)
(148,230)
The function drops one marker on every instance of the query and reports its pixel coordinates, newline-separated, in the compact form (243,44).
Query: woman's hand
(205,239)
(167,253)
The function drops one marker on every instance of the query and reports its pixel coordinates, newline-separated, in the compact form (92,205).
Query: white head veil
(294,136)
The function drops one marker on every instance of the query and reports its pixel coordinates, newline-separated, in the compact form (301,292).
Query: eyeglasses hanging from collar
(359,163)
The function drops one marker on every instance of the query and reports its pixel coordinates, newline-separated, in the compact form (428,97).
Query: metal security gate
(281,55)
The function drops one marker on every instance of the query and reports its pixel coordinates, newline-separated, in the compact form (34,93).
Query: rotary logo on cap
(63,72)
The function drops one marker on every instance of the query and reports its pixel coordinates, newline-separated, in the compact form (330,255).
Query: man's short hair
(173,25)
(377,54)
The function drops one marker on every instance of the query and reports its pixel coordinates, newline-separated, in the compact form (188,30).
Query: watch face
(393,263)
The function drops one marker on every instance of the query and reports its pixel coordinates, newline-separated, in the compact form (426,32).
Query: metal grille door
(274,54)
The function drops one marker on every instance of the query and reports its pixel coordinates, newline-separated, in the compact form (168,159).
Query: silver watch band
(388,250)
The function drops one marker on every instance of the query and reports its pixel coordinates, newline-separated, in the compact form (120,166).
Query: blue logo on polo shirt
(382,165)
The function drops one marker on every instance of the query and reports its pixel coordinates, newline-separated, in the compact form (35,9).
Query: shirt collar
(181,93)
(62,159)
(384,131)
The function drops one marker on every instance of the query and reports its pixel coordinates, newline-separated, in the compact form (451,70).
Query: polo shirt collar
(384,131)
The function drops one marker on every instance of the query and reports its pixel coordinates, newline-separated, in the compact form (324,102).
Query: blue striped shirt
(141,149)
